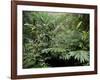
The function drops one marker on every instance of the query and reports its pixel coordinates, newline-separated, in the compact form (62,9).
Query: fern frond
(81,56)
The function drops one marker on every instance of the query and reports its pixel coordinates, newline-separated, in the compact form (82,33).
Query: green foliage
(55,36)
(82,56)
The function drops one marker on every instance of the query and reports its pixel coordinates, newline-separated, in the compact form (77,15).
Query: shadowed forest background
(55,39)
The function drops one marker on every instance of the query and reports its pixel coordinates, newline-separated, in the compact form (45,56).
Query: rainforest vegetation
(55,39)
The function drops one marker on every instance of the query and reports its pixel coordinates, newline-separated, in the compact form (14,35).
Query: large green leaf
(81,56)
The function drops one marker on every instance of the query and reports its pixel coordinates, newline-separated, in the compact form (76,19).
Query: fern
(82,56)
